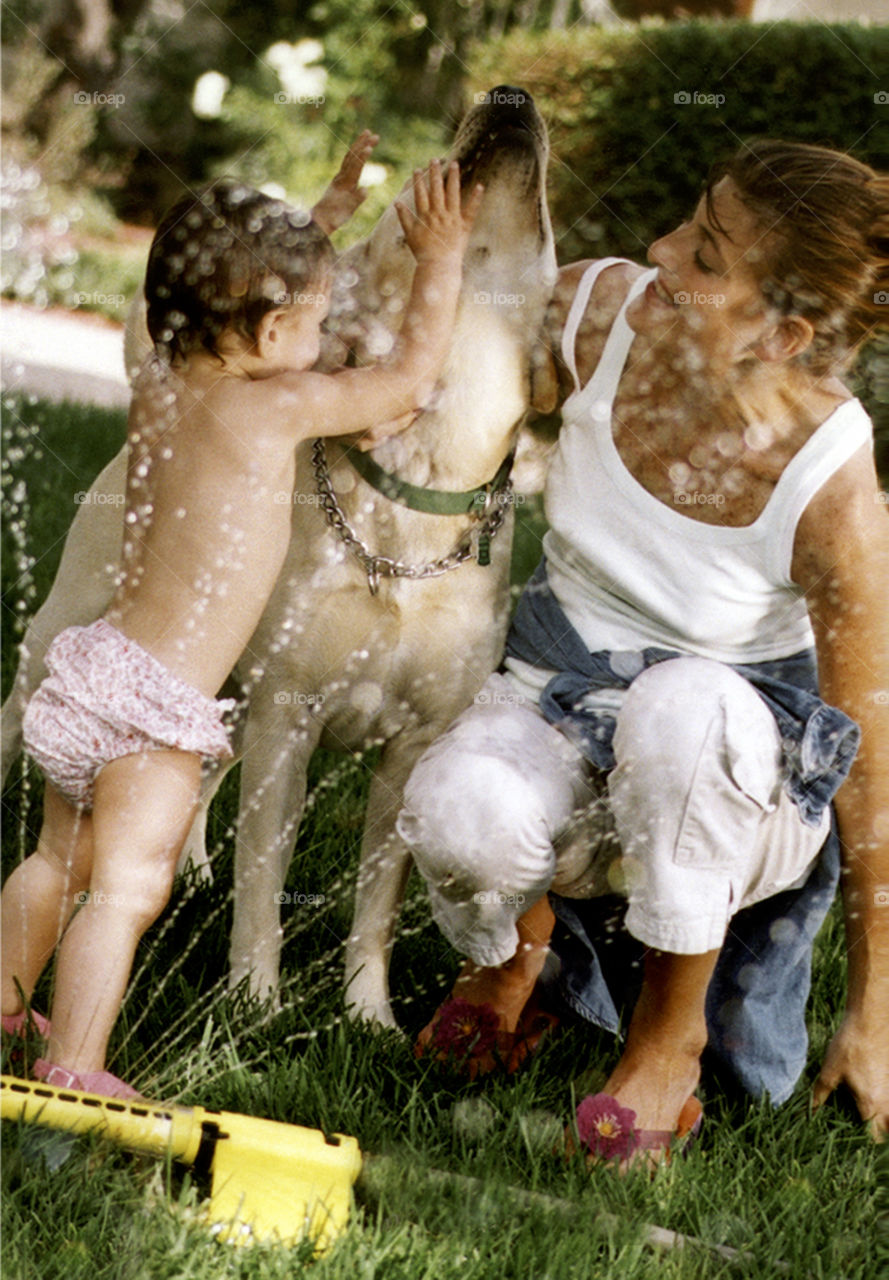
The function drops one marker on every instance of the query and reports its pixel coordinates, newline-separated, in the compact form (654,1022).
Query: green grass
(780,1185)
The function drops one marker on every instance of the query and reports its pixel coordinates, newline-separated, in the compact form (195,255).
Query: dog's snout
(511,101)
(502,131)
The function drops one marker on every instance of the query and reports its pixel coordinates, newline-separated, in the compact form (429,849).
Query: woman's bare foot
(656,1086)
(660,1067)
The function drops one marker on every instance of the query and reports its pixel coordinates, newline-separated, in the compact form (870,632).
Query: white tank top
(630,571)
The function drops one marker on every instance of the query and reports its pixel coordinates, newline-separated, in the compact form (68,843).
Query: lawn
(470,1187)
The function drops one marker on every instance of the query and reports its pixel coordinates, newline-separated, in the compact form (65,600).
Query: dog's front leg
(194,853)
(277,750)
(382,879)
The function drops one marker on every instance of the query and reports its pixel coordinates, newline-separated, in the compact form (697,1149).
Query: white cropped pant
(690,826)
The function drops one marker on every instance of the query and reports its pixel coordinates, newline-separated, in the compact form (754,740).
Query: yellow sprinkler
(270,1181)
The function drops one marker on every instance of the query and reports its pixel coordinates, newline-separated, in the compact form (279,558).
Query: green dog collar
(437,502)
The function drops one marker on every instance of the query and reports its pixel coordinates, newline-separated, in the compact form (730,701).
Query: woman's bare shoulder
(844,531)
(608,294)
(609,290)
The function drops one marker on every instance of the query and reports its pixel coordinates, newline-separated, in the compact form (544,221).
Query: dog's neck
(453,446)
(463,435)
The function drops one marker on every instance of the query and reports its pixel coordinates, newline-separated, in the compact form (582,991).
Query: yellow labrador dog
(391,609)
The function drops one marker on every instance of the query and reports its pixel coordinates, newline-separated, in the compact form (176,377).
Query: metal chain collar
(384,566)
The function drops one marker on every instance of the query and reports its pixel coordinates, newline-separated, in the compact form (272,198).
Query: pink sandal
(102,1083)
(468,1035)
(607,1129)
(18,1024)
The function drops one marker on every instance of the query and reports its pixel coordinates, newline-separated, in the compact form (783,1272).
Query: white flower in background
(209,90)
(292,63)
(373,174)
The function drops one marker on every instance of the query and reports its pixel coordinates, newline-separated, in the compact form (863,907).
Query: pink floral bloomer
(106,697)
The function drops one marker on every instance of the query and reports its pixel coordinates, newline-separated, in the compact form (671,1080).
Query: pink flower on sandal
(466,1030)
(605,1127)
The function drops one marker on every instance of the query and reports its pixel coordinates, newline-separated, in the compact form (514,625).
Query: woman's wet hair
(825,218)
(223,258)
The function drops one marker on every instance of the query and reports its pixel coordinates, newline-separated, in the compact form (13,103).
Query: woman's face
(706,299)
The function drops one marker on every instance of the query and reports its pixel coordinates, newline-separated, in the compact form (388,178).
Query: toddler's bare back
(206,531)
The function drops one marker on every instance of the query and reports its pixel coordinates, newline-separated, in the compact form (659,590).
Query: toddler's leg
(143,808)
(39,896)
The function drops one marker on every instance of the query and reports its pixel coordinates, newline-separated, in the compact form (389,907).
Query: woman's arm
(841,559)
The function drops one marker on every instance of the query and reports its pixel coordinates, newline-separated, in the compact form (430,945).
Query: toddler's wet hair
(223,258)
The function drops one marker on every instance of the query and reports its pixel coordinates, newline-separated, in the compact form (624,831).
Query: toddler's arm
(344,195)
(353,400)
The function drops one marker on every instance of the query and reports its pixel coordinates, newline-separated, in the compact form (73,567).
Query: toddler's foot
(102,1083)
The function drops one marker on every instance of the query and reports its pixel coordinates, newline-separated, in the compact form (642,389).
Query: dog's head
(509,267)
(510,261)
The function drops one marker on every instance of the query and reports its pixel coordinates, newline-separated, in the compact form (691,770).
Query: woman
(655,736)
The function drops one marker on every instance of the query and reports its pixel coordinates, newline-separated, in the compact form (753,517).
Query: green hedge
(629,159)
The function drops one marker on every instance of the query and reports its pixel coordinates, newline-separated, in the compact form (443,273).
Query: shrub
(630,158)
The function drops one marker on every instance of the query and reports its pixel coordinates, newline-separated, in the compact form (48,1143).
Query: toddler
(237,288)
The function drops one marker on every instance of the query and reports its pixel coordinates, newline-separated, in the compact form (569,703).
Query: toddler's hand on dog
(439,227)
(376,435)
(344,195)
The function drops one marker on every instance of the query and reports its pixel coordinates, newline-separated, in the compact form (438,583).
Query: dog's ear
(544,380)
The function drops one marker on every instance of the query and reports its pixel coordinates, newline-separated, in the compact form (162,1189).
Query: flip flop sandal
(18,1024)
(467,1035)
(102,1083)
(682,1139)
(607,1129)
(25,1030)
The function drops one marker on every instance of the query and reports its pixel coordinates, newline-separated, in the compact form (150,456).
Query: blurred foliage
(134,63)
(630,161)
(100,120)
